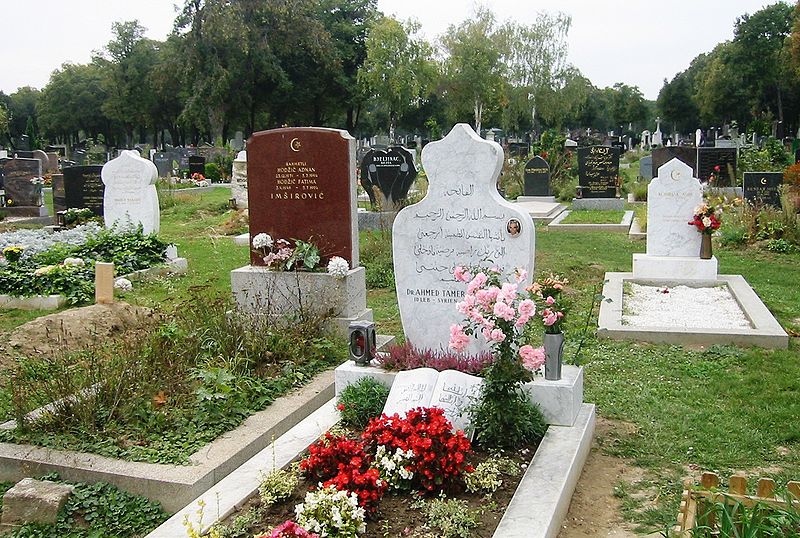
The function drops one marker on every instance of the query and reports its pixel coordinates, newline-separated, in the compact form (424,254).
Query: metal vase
(705,247)
(553,348)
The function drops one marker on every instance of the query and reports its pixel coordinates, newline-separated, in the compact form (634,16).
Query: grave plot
(673,295)
(588,220)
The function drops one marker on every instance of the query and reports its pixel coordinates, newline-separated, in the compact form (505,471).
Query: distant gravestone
(239,179)
(83,187)
(59,196)
(197,165)
(461,221)
(130,194)
(662,156)
(763,188)
(646,167)
(52,163)
(237,143)
(672,198)
(22,182)
(301,185)
(598,169)
(41,156)
(163,162)
(536,177)
(709,158)
(392,171)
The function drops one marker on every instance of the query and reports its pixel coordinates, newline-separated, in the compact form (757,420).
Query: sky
(638,42)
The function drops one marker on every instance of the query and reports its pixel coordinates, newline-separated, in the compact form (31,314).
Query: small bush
(212,172)
(451,517)
(488,475)
(376,257)
(407,357)
(361,401)
(277,485)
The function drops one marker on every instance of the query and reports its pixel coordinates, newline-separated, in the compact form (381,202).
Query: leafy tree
(4,121)
(676,103)
(22,105)
(398,69)
(536,58)
(473,68)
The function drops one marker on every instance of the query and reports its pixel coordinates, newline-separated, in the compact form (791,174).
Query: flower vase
(553,348)
(705,247)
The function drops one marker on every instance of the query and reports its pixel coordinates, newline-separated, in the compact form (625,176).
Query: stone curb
(174,486)
(623,227)
(766,331)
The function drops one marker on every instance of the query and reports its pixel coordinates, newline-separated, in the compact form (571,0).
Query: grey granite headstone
(763,188)
(20,182)
(646,167)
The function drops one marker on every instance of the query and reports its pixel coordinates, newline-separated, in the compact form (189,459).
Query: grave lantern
(362,342)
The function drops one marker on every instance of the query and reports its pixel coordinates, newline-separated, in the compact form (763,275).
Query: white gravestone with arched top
(130,195)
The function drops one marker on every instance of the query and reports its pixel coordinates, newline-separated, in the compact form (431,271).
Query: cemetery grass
(593,216)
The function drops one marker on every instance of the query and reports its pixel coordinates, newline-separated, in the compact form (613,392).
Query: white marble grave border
(623,227)
(537,509)
(766,332)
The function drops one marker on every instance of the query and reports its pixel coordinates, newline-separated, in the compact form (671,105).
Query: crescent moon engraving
(294,144)
(763,181)
(675,174)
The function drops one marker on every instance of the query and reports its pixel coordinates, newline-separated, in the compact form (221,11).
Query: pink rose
(532,359)
(477,282)
(522,274)
(458,340)
(527,308)
(523,319)
(550,300)
(503,311)
(461,274)
(509,292)
(550,318)
(497,335)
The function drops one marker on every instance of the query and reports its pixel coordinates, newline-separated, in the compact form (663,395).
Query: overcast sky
(638,42)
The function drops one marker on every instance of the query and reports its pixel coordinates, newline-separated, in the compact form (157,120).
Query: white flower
(262,240)
(338,267)
(77,262)
(123,284)
(44,270)
(707,222)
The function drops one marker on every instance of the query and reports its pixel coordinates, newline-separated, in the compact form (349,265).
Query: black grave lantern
(362,342)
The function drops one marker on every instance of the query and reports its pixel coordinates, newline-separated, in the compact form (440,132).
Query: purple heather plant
(408,357)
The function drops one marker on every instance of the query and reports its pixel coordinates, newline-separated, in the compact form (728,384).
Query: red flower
(340,407)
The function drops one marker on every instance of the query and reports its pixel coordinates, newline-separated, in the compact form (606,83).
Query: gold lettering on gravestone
(296,180)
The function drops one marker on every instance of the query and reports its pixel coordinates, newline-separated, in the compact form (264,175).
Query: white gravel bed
(681,307)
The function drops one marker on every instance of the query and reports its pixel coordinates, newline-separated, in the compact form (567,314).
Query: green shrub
(278,485)
(733,235)
(376,257)
(212,172)
(451,517)
(488,475)
(362,401)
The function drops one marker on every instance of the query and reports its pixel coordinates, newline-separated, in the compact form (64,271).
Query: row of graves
(301,184)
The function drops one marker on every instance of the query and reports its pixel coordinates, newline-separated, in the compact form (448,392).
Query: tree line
(249,65)
(753,79)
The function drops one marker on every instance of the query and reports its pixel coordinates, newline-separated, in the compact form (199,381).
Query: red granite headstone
(301,185)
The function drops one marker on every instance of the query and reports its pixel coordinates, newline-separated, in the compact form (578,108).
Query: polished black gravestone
(710,158)
(197,165)
(83,187)
(537,178)
(163,162)
(392,171)
(598,169)
(662,155)
(763,188)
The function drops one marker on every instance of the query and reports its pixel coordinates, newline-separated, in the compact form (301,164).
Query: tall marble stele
(130,196)
(673,246)
(463,221)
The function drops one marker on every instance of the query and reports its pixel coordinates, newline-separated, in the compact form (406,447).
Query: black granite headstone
(598,169)
(708,159)
(392,171)
(59,196)
(662,155)
(763,188)
(22,182)
(84,188)
(197,165)
(537,178)
(518,149)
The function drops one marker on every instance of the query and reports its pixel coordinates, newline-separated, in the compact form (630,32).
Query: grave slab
(674,267)
(604,204)
(623,226)
(539,208)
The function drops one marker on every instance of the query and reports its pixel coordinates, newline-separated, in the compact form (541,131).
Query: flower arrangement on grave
(76,216)
(547,292)
(13,253)
(712,177)
(200,180)
(706,219)
(500,313)
(281,255)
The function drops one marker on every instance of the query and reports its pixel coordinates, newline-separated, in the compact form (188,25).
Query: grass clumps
(361,401)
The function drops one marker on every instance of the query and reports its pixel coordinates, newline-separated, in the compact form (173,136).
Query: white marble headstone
(130,193)
(671,200)
(462,220)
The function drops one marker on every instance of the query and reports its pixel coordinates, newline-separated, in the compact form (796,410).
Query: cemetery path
(71,330)
(594,510)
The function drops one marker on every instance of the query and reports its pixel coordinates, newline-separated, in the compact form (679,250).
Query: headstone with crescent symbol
(671,200)
(392,171)
(301,185)
(763,188)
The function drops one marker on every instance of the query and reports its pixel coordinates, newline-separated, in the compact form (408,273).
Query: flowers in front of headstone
(331,512)
(13,253)
(706,219)
(712,178)
(408,357)
(37,181)
(123,284)
(338,267)
(435,455)
(76,216)
(200,180)
(395,468)
(289,529)
(280,255)
(547,292)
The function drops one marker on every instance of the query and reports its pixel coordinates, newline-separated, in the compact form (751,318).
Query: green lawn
(723,408)
(593,216)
